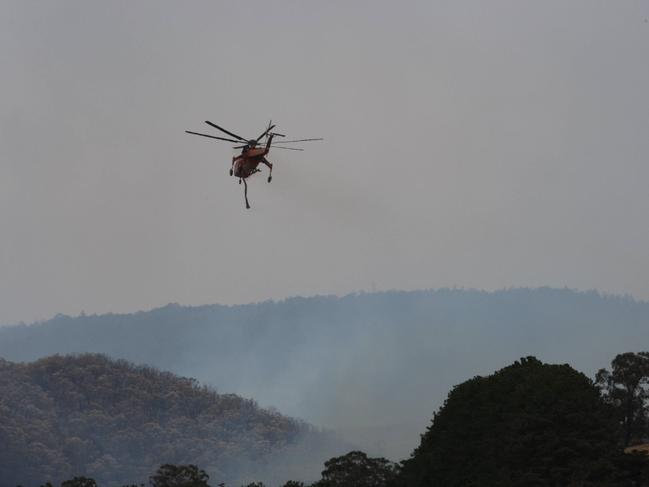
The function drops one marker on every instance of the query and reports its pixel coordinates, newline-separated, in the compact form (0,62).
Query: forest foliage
(88,415)
(626,388)
(296,354)
(528,424)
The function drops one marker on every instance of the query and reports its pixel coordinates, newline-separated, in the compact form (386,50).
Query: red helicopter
(245,164)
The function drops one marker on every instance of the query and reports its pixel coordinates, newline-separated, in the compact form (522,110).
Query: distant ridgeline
(181,337)
(117,422)
(384,359)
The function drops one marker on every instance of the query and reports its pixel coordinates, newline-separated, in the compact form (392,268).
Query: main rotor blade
(213,137)
(272,147)
(270,127)
(289,141)
(287,148)
(226,131)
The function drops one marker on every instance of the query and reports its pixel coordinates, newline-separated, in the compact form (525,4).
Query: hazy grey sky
(478,144)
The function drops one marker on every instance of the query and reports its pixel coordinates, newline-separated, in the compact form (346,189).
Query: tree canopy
(529,424)
(358,470)
(169,475)
(626,388)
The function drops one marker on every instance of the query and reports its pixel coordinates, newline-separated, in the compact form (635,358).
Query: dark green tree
(293,483)
(179,476)
(626,387)
(358,470)
(529,424)
(79,482)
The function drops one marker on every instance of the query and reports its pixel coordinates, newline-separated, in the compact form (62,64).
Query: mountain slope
(370,365)
(117,422)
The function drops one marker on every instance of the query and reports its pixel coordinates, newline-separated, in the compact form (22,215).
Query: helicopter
(253,152)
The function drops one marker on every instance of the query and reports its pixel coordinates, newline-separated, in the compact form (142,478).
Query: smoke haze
(473,144)
(372,367)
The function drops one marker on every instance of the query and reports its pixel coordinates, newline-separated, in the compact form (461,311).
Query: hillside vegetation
(348,363)
(117,422)
(530,424)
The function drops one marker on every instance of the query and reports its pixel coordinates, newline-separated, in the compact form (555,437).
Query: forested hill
(370,365)
(117,422)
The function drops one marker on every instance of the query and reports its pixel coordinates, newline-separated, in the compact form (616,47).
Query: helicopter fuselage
(246,163)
